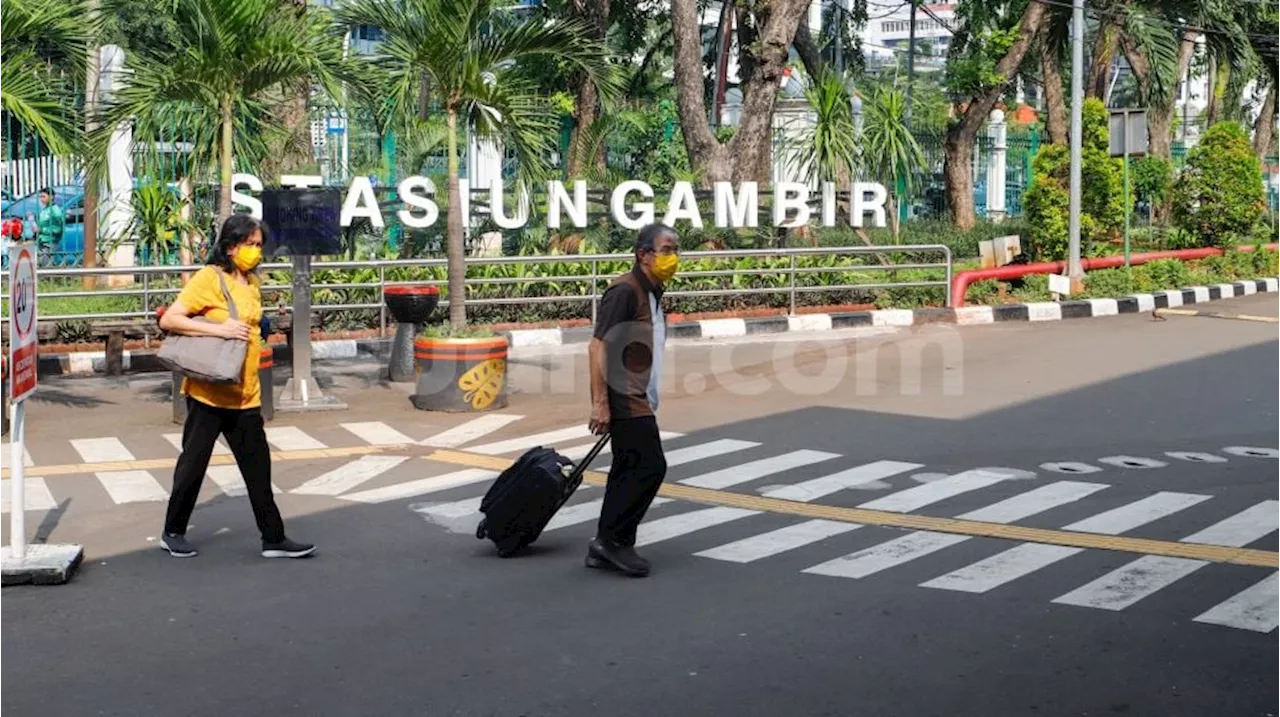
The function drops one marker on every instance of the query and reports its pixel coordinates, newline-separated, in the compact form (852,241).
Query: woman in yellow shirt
(232,410)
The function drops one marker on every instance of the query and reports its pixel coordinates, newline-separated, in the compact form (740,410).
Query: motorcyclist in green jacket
(51,222)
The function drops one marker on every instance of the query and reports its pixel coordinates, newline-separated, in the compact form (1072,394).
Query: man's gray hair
(650,234)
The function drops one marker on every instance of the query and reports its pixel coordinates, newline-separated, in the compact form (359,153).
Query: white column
(995,166)
(117,200)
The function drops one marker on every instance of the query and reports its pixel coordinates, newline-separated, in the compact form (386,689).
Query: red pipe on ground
(960,282)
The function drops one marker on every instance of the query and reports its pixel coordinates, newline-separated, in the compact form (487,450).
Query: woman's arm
(176,319)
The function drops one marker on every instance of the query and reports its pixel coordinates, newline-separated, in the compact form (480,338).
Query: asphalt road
(1141,430)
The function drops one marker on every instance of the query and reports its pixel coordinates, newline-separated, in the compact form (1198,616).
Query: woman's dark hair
(235,231)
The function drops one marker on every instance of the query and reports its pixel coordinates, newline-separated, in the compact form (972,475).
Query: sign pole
(301,392)
(1126,189)
(41,563)
(17,485)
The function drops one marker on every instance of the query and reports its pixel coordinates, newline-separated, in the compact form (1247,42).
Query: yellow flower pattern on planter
(482,384)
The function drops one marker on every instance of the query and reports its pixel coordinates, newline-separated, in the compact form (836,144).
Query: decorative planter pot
(411,306)
(266,380)
(460,375)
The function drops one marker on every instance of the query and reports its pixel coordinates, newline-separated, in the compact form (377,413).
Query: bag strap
(231,304)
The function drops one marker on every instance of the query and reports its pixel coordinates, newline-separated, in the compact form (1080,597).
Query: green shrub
(1047,202)
(1152,178)
(1219,198)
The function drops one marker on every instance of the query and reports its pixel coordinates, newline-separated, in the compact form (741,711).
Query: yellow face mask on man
(665,265)
(247,257)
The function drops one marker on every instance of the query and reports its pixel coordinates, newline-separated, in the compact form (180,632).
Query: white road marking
(101,450)
(547,439)
(1254,608)
(1252,452)
(292,438)
(219,447)
(1195,457)
(132,487)
(586,512)
(711,449)
(377,433)
(230,482)
(905,501)
(655,531)
(471,430)
(423,486)
(745,472)
(1022,560)
(886,555)
(1132,462)
(36,495)
(454,510)
(920,543)
(579,452)
(778,541)
(350,475)
(7,452)
(826,485)
(1071,467)
(1141,578)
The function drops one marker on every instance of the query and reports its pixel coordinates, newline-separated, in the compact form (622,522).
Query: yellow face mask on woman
(664,266)
(247,257)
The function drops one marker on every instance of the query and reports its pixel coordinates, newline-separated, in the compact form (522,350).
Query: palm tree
(43,49)
(232,56)
(890,152)
(464,55)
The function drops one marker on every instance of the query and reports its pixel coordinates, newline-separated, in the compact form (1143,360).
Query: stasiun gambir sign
(630,203)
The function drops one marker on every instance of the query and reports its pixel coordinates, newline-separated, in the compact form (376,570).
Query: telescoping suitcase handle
(581,466)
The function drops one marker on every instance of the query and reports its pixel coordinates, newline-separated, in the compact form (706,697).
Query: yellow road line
(1194,551)
(1218,315)
(222,460)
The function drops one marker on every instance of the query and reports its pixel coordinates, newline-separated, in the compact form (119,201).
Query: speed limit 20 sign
(22,321)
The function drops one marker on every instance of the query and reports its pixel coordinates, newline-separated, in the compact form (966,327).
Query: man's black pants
(247,438)
(638,470)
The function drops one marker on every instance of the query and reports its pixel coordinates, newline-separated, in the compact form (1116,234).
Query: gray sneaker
(287,549)
(177,545)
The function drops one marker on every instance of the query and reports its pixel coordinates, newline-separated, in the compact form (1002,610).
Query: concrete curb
(91,363)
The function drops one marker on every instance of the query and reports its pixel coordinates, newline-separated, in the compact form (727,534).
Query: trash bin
(266,379)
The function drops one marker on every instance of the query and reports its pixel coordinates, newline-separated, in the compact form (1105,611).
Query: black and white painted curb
(88,363)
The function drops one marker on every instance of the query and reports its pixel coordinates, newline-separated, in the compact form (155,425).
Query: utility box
(999,251)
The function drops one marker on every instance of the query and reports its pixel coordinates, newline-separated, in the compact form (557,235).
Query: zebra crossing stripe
(579,452)
(36,495)
(586,512)
(826,485)
(230,482)
(1141,578)
(656,531)
(101,450)
(905,501)
(752,470)
(710,449)
(132,487)
(919,544)
(452,511)
(346,477)
(219,448)
(423,486)
(548,438)
(1254,609)
(292,438)
(471,430)
(778,541)
(1022,560)
(7,451)
(377,433)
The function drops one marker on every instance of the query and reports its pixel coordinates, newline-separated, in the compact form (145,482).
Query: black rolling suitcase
(528,494)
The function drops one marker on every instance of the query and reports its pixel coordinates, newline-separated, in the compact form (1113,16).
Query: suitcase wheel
(480,531)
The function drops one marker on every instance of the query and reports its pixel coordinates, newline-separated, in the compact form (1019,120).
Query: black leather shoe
(607,554)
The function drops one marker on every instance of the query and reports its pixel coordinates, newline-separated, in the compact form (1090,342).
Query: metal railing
(153,292)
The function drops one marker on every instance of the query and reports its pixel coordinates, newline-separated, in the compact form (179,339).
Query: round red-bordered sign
(24,311)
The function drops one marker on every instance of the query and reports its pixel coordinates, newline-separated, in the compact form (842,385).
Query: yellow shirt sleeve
(202,293)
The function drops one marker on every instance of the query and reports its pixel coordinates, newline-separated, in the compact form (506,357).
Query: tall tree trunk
(1104,48)
(1055,113)
(453,226)
(224,166)
(1264,128)
(962,134)
(1216,86)
(596,14)
(1160,108)
(748,155)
